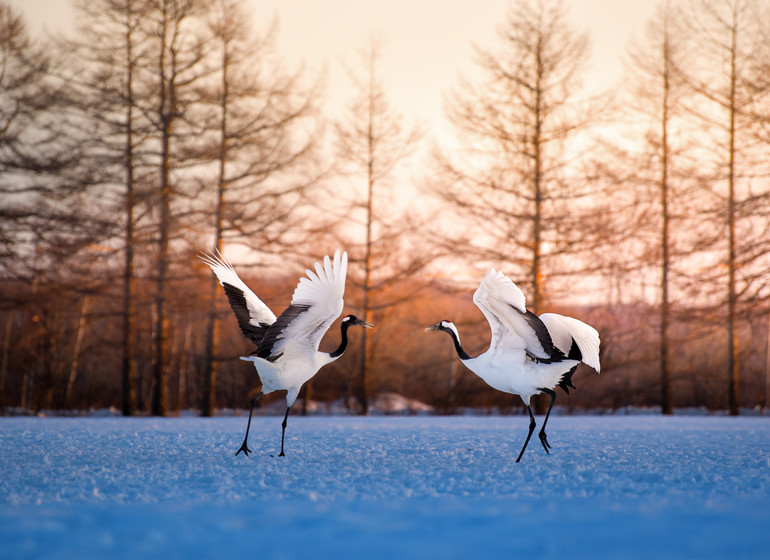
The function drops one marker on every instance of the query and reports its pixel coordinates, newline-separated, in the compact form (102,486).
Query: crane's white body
(296,367)
(513,363)
(517,374)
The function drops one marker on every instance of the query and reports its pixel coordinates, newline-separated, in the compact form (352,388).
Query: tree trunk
(732,329)
(128,366)
(76,352)
(665,380)
(166,112)
(211,366)
(366,304)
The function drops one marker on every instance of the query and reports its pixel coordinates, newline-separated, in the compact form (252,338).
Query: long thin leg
(529,435)
(283,430)
(543,437)
(244,446)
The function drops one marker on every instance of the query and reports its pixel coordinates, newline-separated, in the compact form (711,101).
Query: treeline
(161,128)
(68,357)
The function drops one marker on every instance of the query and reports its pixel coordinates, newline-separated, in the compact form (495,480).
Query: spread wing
(565,331)
(316,303)
(513,326)
(254,317)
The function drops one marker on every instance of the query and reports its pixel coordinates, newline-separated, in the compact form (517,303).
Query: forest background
(158,129)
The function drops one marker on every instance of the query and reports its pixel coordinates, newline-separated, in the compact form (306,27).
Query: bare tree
(658,168)
(133,65)
(46,226)
(178,66)
(40,143)
(759,86)
(141,83)
(727,36)
(22,69)
(262,138)
(104,58)
(372,142)
(128,366)
(126,67)
(515,183)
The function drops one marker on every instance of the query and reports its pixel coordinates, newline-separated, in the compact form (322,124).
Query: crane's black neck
(459,347)
(344,326)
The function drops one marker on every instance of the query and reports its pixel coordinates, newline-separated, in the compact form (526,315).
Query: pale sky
(428,43)
(428,46)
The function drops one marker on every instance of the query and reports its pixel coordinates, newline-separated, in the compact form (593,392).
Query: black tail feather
(574,352)
(566,380)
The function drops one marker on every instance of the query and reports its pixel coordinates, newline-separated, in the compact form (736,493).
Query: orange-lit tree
(372,143)
(261,130)
(514,175)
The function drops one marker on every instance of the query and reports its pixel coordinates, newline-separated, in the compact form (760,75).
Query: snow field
(385,487)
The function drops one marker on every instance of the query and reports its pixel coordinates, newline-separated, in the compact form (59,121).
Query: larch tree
(104,57)
(178,67)
(372,142)
(194,122)
(261,125)
(137,63)
(22,84)
(47,222)
(658,169)
(40,144)
(512,176)
(759,110)
(728,38)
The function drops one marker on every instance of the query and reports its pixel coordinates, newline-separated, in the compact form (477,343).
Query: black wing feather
(254,332)
(566,380)
(574,352)
(271,336)
(544,337)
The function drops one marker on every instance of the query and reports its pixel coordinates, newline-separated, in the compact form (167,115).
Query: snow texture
(385,487)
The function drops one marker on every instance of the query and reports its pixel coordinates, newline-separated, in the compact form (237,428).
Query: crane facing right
(527,355)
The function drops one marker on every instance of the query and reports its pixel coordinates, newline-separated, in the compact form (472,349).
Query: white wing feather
(564,329)
(225,273)
(504,305)
(322,292)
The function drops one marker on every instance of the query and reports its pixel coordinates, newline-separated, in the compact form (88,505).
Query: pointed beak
(365,324)
(433,327)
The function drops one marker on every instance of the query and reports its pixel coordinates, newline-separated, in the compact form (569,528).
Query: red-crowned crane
(287,354)
(527,355)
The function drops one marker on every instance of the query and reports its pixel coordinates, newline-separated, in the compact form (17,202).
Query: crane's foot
(544,440)
(244,448)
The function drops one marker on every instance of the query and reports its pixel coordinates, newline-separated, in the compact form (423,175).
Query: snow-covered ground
(385,487)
